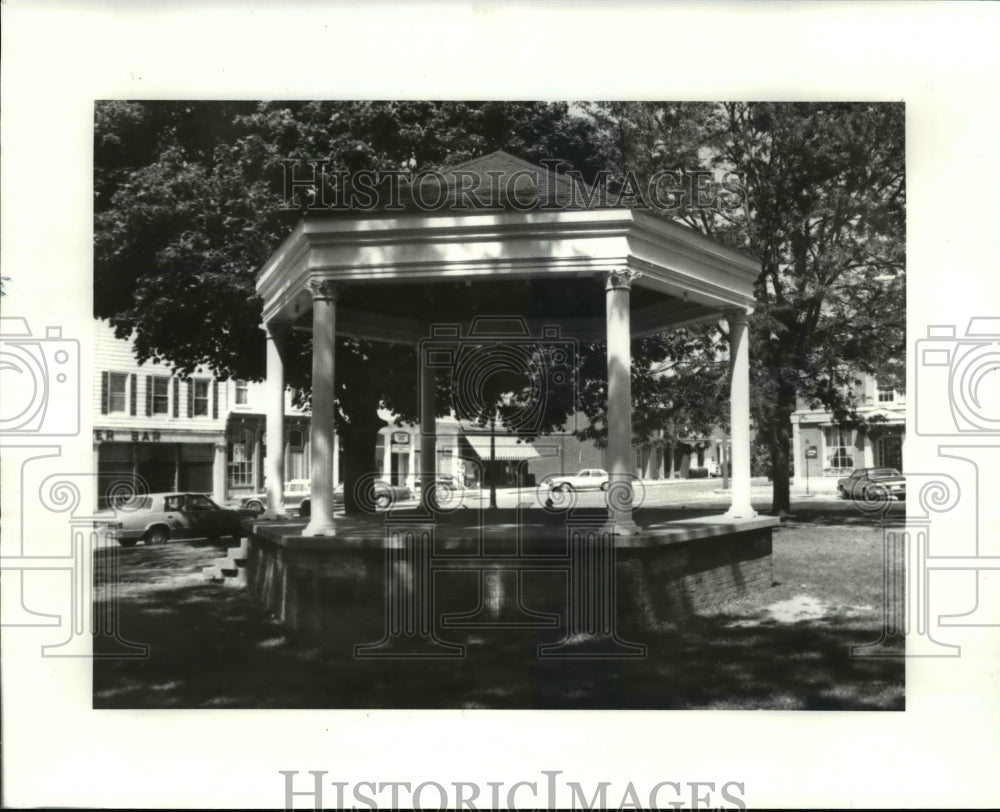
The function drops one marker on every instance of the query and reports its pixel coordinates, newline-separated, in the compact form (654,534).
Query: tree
(679,387)
(822,206)
(189,203)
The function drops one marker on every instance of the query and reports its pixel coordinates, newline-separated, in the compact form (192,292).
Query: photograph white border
(940,59)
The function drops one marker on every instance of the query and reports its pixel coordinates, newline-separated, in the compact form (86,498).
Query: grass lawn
(787,647)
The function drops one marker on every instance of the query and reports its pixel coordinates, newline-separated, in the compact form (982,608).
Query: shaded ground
(785,648)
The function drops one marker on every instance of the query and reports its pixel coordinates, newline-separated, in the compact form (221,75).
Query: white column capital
(276,330)
(738,315)
(621,279)
(324,289)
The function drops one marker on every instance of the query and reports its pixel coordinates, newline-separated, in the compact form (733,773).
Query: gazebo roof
(400,271)
(502,182)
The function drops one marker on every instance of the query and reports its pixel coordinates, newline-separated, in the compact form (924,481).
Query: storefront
(246,449)
(153,461)
(500,460)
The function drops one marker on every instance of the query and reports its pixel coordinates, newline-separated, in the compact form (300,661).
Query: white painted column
(797,460)
(321,437)
(274,462)
(336,459)
(428,436)
(219,474)
(102,484)
(867,451)
(739,414)
(620,452)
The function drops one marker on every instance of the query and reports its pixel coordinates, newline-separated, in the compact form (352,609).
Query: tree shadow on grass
(211,647)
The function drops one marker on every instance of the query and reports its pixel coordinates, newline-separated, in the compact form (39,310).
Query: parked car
(295,491)
(872,483)
(385,494)
(712,466)
(447,482)
(581,480)
(158,517)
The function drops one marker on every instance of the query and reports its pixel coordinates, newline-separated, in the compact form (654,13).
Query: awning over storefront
(507,448)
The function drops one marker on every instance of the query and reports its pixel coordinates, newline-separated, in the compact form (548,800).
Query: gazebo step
(212,574)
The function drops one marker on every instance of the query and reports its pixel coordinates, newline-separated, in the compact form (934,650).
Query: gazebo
(539,253)
(599,273)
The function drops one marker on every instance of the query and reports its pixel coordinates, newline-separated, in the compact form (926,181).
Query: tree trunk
(358,443)
(780,442)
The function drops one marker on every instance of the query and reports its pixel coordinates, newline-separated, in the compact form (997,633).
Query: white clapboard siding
(116,356)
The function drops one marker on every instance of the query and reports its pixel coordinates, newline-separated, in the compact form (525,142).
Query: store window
(296,467)
(840,450)
(240,457)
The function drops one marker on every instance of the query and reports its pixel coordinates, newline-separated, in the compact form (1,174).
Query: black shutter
(177,396)
(105,389)
(215,400)
(190,385)
(133,385)
(149,395)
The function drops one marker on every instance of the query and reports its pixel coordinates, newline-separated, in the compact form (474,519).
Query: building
(158,431)
(675,459)
(829,451)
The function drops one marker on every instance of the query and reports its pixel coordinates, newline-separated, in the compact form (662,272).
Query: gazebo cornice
(426,248)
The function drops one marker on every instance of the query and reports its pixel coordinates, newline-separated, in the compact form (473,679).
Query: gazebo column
(739,414)
(619,343)
(428,437)
(274,462)
(324,333)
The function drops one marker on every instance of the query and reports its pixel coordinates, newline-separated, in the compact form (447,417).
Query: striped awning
(507,448)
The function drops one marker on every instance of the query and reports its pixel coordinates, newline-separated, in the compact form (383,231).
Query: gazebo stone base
(386,590)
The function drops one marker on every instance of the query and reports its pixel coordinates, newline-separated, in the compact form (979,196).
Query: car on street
(386,494)
(156,518)
(296,490)
(584,479)
(872,484)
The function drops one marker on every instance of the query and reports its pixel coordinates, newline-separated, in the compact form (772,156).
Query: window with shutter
(104,392)
(177,396)
(132,394)
(149,395)
(117,393)
(200,398)
(161,395)
(190,385)
(215,400)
